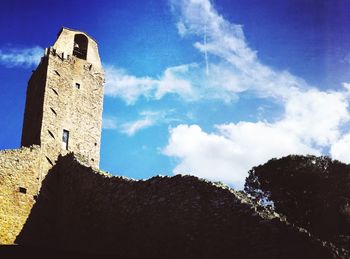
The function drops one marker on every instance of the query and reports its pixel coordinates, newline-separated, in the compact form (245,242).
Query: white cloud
(316,116)
(235,67)
(204,155)
(181,28)
(311,122)
(346,86)
(232,150)
(109,123)
(24,57)
(341,149)
(241,67)
(130,88)
(172,82)
(131,128)
(127,87)
(147,119)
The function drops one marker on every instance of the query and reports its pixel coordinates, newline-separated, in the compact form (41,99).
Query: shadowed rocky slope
(164,217)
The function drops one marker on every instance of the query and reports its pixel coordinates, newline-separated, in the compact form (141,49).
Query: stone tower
(63,110)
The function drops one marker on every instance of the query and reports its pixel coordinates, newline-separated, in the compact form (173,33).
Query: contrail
(205,49)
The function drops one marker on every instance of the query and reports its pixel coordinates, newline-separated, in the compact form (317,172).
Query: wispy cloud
(146,119)
(109,123)
(174,81)
(234,68)
(130,88)
(226,42)
(131,128)
(312,120)
(21,57)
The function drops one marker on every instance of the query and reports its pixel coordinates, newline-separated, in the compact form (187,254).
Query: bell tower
(64,100)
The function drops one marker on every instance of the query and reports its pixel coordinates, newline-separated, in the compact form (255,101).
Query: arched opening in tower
(80,46)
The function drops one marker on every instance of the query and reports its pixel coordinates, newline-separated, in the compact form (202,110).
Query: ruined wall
(19,185)
(178,217)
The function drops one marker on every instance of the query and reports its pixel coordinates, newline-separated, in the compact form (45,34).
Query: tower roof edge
(70,29)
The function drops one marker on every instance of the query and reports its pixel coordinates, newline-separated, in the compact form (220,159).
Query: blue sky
(209,88)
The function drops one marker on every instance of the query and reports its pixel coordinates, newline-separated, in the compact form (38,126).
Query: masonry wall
(65,93)
(64,44)
(178,217)
(19,168)
(67,107)
(33,113)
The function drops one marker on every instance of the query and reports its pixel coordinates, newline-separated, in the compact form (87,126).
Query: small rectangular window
(65,139)
(22,190)
(77,85)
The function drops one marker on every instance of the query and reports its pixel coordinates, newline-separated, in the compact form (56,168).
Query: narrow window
(50,162)
(51,134)
(77,85)
(54,112)
(54,91)
(22,190)
(65,139)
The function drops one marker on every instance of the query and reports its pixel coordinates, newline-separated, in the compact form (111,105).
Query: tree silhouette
(312,192)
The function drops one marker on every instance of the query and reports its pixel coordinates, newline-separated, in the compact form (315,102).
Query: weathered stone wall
(65,93)
(163,217)
(33,113)
(19,168)
(64,43)
(77,110)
